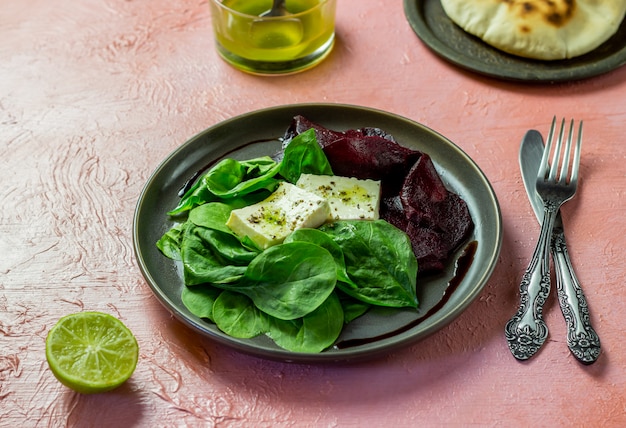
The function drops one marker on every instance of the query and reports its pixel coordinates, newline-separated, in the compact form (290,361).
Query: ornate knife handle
(526,332)
(582,339)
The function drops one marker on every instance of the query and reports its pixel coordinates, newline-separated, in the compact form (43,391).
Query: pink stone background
(95,94)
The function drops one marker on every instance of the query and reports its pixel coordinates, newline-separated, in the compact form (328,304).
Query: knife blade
(582,339)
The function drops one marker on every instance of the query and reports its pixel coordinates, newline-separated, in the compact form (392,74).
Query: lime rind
(91,352)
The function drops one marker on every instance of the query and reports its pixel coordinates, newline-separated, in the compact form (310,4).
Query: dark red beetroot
(436,220)
(414,198)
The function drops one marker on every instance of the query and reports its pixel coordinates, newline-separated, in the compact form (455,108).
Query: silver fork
(526,332)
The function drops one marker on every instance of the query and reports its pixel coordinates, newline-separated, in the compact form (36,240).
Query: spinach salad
(300,293)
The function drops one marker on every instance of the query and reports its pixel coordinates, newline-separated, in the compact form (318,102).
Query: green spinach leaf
(303,155)
(352,308)
(200,300)
(212,215)
(169,244)
(312,333)
(288,281)
(236,315)
(379,259)
(212,256)
(320,238)
(228,179)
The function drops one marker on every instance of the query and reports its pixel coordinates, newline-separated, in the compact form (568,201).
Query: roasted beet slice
(430,250)
(428,247)
(437,220)
(422,193)
(371,157)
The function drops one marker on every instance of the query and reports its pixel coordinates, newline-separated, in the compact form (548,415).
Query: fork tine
(576,163)
(548,170)
(543,166)
(557,153)
(566,153)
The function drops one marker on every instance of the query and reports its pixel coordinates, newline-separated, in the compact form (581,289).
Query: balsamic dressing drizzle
(463,264)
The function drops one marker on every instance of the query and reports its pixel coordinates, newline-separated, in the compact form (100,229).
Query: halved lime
(91,352)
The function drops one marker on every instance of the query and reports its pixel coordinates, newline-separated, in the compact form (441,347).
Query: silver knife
(582,339)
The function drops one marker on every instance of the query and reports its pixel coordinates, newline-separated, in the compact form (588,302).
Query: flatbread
(539,29)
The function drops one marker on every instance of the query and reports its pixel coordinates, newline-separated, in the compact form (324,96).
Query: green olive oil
(274,44)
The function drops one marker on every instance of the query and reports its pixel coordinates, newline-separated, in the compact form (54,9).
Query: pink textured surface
(94,94)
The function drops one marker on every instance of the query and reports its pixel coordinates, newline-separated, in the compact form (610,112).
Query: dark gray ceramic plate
(376,332)
(441,35)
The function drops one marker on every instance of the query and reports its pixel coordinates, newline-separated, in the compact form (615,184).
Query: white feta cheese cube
(349,198)
(269,222)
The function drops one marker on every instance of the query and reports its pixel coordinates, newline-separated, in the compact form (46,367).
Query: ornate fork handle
(582,339)
(526,332)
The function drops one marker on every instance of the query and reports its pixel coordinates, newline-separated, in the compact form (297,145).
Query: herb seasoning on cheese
(349,198)
(268,222)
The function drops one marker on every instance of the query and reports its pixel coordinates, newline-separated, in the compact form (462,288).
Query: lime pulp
(91,352)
